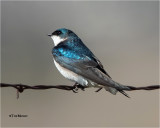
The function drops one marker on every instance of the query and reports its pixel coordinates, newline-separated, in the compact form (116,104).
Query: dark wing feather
(100,66)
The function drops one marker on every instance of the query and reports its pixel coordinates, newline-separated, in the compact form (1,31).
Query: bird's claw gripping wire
(77,87)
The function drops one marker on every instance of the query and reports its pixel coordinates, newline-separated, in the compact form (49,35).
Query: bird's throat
(57,40)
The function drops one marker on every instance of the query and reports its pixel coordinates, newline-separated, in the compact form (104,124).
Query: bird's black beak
(49,35)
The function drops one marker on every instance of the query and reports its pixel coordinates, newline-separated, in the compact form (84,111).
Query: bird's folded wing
(85,67)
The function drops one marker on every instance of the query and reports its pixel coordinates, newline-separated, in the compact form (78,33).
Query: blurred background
(123,35)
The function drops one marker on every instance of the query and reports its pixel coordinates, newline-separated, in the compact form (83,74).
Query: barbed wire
(21,87)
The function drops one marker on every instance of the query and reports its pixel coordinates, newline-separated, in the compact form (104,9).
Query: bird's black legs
(76,87)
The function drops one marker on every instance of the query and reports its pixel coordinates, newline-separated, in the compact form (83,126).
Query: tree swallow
(77,63)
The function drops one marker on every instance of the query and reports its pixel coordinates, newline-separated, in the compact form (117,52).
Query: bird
(75,61)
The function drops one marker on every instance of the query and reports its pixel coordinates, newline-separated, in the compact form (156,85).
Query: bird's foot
(76,87)
(81,87)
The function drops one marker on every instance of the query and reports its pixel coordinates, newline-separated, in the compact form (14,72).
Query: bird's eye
(58,32)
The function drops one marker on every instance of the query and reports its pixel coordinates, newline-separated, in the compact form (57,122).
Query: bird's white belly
(71,75)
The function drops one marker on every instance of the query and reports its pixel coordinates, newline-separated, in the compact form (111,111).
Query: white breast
(71,75)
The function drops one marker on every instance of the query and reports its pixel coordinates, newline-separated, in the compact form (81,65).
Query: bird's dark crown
(62,31)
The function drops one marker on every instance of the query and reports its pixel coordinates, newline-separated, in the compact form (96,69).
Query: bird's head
(61,35)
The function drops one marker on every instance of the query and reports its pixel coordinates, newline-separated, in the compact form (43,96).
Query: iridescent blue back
(72,48)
